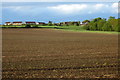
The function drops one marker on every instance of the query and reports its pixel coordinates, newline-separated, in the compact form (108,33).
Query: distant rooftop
(18,22)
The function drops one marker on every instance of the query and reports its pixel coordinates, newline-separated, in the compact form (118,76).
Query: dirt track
(45,53)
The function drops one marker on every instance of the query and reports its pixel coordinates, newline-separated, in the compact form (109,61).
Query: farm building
(70,23)
(67,23)
(41,23)
(17,23)
(8,23)
(85,22)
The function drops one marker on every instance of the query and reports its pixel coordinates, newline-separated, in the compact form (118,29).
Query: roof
(17,22)
(7,22)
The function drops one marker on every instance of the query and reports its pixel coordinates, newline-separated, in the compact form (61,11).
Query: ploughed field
(48,53)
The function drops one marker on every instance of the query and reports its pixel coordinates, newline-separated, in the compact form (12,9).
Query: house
(41,23)
(85,22)
(64,23)
(67,23)
(17,23)
(76,23)
(31,23)
(71,23)
(8,23)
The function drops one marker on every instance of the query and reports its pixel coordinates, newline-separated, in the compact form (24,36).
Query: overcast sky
(60,0)
(57,11)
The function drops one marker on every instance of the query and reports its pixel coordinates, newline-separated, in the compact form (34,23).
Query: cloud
(114,7)
(84,8)
(32,0)
(68,8)
(63,9)
(25,10)
(60,0)
(100,6)
(18,8)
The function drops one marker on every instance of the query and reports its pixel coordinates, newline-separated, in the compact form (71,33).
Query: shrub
(117,28)
(100,24)
(27,26)
(86,27)
(35,26)
(107,27)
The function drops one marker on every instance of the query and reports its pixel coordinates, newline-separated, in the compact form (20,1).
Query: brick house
(17,23)
(8,23)
(41,23)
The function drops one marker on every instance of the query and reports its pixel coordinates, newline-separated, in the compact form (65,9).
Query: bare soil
(48,53)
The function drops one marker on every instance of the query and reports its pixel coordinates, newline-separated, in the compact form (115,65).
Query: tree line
(101,24)
(50,23)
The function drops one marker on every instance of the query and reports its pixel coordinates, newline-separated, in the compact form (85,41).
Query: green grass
(48,26)
(81,29)
(108,32)
(72,28)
